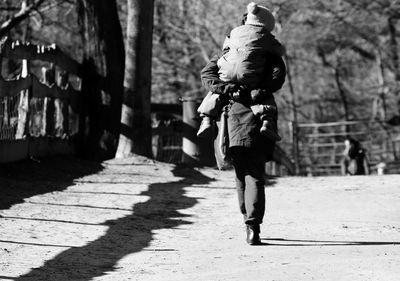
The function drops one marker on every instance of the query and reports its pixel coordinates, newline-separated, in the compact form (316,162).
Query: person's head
(347,143)
(260,16)
(352,143)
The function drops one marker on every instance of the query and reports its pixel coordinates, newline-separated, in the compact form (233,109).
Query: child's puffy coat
(244,62)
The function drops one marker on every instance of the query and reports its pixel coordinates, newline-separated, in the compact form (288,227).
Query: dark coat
(355,160)
(243,125)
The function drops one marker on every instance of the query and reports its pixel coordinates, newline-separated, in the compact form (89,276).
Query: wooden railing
(32,106)
(321,145)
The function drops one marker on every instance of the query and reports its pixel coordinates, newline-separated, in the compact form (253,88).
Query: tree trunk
(343,97)
(135,135)
(395,56)
(394,46)
(295,135)
(103,72)
(342,94)
(23,108)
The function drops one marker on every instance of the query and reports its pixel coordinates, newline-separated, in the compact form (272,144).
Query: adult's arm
(275,74)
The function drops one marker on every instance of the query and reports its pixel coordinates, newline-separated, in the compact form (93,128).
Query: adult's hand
(230,88)
(258,95)
(241,94)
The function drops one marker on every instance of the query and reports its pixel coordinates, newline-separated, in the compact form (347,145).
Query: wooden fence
(167,140)
(321,145)
(37,114)
(39,108)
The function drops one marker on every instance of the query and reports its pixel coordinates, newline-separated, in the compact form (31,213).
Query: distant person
(245,54)
(248,147)
(355,161)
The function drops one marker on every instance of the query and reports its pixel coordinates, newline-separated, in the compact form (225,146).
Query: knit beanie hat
(260,16)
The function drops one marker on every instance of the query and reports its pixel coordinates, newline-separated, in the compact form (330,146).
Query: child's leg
(270,101)
(208,110)
(205,126)
(268,113)
(269,126)
(262,106)
(210,106)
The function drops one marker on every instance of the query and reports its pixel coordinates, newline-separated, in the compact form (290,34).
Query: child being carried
(245,54)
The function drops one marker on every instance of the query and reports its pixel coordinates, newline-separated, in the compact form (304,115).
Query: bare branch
(194,39)
(19,17)
(369,39)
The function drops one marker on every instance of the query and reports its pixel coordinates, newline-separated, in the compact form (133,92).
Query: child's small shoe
(205,128)
(269,130)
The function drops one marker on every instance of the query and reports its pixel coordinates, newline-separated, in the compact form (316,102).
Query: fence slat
(30,107)
(328,124)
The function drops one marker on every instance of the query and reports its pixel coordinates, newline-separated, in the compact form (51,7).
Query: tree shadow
(311,243)
(125,235)
(24,179)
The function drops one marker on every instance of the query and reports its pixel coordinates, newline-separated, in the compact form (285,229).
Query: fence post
(190,147)
(196,151)
(23,105)
(48,79)
(295,143)
(63,84)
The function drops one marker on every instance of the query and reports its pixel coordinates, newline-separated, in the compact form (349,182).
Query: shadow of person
(309,243)
(125,235)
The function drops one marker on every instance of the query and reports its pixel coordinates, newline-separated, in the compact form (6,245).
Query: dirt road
(135,219)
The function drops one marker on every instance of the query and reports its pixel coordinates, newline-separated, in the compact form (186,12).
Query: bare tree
(103,77)
(136,121)
(20,16)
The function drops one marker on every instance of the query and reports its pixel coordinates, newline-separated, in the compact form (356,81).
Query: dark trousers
(250,169)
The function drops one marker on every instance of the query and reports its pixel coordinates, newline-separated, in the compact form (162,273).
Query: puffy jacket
(245,58)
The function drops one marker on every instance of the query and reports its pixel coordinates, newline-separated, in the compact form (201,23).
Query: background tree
(104,62)
(136,114)
(16,15)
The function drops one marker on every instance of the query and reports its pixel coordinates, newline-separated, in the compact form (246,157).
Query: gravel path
(135,219)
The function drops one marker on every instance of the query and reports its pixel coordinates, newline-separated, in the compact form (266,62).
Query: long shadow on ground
(309,243)
(126,235)
(24,179)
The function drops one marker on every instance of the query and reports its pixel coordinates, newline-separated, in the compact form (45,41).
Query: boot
(253,235)
(269,130)
(269,127)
